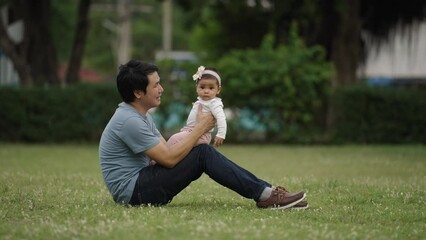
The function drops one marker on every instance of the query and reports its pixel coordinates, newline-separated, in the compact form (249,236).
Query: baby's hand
(218,141)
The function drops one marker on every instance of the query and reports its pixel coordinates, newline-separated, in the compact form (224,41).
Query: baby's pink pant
(184,132)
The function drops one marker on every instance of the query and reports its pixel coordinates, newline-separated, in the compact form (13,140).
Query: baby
(208,86)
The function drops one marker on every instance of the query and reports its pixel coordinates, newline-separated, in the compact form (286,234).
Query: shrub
(285,87)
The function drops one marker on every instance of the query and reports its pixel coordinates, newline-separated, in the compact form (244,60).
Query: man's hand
(169,157)
(205,120)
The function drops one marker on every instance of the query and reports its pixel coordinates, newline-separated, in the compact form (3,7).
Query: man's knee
(205,148)
(205,153)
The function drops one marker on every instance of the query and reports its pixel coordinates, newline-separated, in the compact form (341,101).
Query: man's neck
(139,108)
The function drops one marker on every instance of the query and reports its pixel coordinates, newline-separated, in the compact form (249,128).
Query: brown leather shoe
(280,199)
(300,205)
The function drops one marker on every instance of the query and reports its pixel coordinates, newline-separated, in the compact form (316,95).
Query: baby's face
(207,88)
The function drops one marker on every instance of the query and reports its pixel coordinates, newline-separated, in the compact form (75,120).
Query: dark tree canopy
(380,16)
(335,24)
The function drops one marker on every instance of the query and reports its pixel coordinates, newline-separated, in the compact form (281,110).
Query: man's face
(152,98)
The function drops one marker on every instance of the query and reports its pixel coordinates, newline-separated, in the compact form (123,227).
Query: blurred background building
(401,60)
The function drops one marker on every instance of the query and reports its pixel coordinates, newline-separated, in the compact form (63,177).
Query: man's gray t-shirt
(127,135)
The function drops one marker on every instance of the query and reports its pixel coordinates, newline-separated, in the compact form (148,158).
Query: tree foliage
(334,24)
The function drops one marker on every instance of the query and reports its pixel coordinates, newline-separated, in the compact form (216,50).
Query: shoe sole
(290,204)
(299,208)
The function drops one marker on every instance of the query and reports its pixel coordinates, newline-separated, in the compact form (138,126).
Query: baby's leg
(177,137)
(204,139)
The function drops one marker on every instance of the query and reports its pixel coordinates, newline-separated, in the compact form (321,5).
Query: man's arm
(169,157)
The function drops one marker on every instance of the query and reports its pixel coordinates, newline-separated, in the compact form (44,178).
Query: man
(131,142)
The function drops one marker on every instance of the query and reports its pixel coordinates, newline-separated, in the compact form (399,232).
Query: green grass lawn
(355,192)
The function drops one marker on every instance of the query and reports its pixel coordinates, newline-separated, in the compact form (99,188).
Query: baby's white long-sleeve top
(215,106)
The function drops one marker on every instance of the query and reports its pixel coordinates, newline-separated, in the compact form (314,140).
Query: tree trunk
(41,51)
(167,26)
(35,58)
(21,66)
(16,51)
(345,50)
(345,47)
(124,31)
(79,42)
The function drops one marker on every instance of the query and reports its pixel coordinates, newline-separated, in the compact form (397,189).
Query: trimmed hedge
(75,113)
(79,114)
(380,115)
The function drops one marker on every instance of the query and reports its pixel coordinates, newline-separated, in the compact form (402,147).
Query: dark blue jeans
(157,185)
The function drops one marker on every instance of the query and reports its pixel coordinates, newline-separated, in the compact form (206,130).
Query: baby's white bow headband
(202,70)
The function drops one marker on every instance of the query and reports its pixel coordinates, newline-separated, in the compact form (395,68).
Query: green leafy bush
(284,87)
